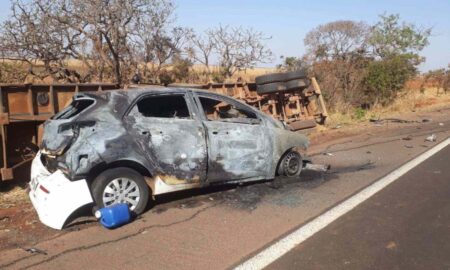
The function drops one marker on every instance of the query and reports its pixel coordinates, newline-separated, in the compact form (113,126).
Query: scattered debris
(391,245)
(393,120)
(35,251)
(317,167)
(409,146)
(441,124)
(407,138)
(369,164)
(337,127)
(328,154)
(431,138)
(369,152)
(426,120)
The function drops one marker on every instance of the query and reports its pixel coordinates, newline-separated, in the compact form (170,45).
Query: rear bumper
(54,196)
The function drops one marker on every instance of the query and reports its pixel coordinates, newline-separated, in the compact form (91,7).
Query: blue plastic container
(114,216)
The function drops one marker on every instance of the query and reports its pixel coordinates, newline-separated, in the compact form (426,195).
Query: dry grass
(12,197)
(411,100)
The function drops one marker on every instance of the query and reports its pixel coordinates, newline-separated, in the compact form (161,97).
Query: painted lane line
(281,247)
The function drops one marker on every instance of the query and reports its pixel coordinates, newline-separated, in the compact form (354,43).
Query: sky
(288,21)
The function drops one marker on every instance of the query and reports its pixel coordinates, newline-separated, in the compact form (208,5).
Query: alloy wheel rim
(121,190)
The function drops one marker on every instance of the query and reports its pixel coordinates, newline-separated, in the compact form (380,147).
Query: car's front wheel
(291,165)
(121,185)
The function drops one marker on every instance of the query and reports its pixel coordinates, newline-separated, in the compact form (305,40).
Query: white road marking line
(275,251)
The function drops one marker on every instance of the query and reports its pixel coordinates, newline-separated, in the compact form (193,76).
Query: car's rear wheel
(121,185)
(291,165)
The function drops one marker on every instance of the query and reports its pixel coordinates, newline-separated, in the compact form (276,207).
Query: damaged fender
(54,196)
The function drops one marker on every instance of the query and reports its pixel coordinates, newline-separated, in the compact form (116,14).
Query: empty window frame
(166,106)
(219,110)
(74,109)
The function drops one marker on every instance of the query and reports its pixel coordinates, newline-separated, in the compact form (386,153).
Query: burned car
(127,145)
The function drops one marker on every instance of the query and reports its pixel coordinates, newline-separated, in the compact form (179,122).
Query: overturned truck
(292,98)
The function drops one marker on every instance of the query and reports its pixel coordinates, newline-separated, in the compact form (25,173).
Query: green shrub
(360,114)
(385,78)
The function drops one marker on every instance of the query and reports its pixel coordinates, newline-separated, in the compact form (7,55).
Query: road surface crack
(87,247)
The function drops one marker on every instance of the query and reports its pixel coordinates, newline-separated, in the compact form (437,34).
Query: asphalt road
(219,228)
(404,226)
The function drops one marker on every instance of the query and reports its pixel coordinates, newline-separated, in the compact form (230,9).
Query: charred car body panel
(175,138)
(190,149)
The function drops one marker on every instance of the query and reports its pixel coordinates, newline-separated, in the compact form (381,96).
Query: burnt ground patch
(247,197)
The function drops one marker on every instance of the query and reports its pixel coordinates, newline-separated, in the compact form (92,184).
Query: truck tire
(294,75)
(297,84)
(270,78)
(270,88)
(121,185)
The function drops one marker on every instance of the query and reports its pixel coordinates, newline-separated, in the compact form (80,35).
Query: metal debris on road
(407,138)
(317,167)
(393,120)
(328,154)
(35,251)
(431,138)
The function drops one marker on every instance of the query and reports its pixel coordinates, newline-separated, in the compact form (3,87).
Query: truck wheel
(291,165)
(270,88)
(297,84)
(270,78)
(121,185)
(295,75)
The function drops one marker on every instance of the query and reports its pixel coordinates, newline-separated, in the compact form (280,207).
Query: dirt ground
(20,227)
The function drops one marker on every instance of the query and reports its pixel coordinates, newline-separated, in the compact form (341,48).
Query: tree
(239,48)
(386,77)
(201,48)
(101,33)
(337,40)
(337,51)
(291,63)
(109,24)
(396,47)
(162,46)
(31,35)
(389,37)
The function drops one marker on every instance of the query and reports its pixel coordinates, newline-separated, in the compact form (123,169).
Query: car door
(238,143)
(172,136)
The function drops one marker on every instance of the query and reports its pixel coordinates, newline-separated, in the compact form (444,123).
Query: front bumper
(54,196)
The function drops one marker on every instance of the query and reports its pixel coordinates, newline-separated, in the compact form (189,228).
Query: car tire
(121,185)
(270,78)
(291,164)
(270,88)
(297,84)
